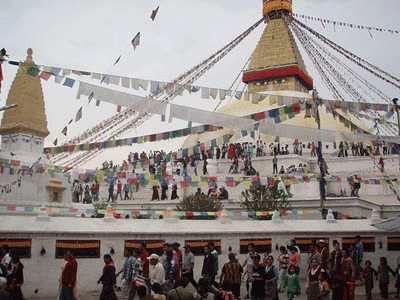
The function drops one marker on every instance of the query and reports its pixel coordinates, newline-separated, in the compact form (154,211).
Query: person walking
(283,260)
(16,279)
(312,288)
(292,283)
(232,272)
(271,279)
(126,190)
(208,271)
(188,265)
(275,165)
(383,277)
(259,276)
(127,273)
(108,279)
(368,278)
(111,192)
(119,189)
(68,277)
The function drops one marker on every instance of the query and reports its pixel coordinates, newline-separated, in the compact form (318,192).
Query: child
(292,283)
(383,271)
(368,278)
(156,288)
(324,289)
(397,285)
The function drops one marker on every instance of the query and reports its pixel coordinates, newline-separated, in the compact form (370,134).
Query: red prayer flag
(184,184)
(45,75)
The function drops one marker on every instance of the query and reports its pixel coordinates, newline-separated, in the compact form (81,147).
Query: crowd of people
(329,274)
(249,150)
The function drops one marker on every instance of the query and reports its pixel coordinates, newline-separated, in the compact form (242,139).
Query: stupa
(23,130)
(277,68)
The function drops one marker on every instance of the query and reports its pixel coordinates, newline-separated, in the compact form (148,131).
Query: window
(261,245)
(21,246)
(197,246)
(153,246)
(81,248)
(368,242)
(393,243)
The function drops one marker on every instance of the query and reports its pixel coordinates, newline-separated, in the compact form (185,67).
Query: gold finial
(30,52)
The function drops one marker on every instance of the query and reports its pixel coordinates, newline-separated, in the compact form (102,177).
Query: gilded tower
(24,128)
(276,63)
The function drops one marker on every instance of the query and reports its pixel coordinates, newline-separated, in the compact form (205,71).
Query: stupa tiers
(277,68)
(24,128)
(276,63)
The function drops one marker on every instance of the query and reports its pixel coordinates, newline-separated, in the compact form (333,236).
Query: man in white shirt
(157,274)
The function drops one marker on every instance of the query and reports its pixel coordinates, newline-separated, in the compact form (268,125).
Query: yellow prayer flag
(203,184)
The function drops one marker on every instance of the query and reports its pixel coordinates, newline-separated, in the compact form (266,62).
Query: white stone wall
(42,272)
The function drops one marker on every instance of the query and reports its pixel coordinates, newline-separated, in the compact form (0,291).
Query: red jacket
(144,258)
(69,274)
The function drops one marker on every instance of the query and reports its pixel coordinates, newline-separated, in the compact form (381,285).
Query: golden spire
(276,63)
(26,90)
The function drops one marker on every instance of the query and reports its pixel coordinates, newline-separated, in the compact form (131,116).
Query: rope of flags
(345,24)
(166,213)
(13,167)
(134,140)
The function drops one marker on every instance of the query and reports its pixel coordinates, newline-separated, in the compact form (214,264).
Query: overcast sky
(90,35)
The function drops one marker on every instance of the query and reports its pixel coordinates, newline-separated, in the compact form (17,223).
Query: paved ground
(360,293)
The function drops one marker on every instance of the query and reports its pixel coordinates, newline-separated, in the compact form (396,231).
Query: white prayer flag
(136,41)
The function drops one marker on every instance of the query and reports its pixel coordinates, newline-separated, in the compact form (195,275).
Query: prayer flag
(45,75)
(136,41)
(97,102)
(90,97)
(154,13)
(69,82)
(33,71)
(162,118)
(78,115)
(118,108)
(125,82)
(117,61)
(64,131)
(105,79)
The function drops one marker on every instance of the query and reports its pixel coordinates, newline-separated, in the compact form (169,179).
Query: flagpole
(322,181)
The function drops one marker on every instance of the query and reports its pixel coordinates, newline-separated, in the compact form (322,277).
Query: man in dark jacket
(208,271)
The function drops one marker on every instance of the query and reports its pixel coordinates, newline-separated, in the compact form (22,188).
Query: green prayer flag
(33,72)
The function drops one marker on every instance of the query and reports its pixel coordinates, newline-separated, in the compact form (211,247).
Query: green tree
(199,203)
(265,198)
